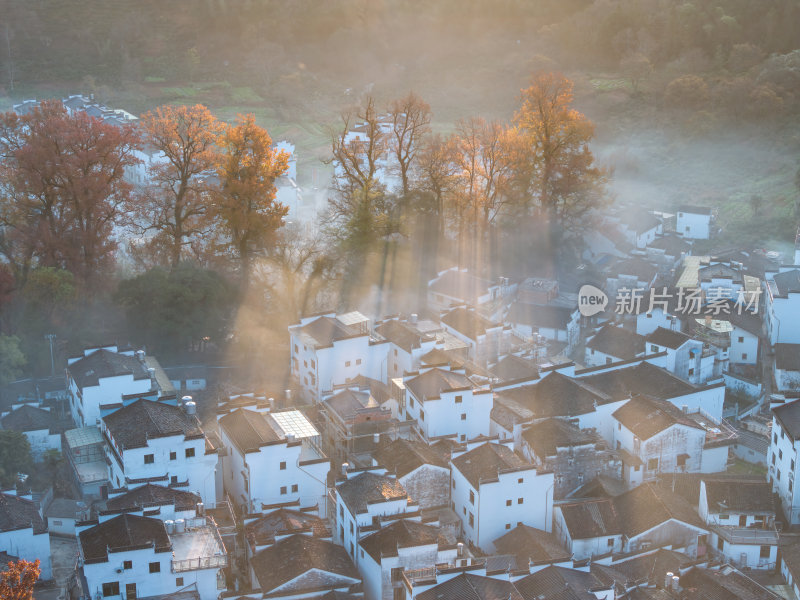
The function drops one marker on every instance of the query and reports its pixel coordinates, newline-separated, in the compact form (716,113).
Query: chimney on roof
(668,580)
(676,587)
(376,438)
(413,318)
(345,466)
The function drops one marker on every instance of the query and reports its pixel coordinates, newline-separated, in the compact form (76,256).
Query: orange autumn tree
(559,169)
(245,205)
(17,581)
(175,207)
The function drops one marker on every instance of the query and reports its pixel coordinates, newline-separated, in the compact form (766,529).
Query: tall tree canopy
(15,457)
(17,581)
(175,207)
(559,170)
(245,203)
(63,178)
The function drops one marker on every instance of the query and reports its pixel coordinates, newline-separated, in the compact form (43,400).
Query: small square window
(691,371)
(111,589)
(283,490)
(155,567)
(764,552)
(471,497)
(471,520)
(520,480)
(519,500)
(127,564)
(173,455)
(358,361)
(347,363)
(508,525)
(463,416)
(459,399)
(744,355)
(508,502)
(610,542)
(741,339)
(189,453)
(294,488)
(283,465)
(149,459)
(179,581)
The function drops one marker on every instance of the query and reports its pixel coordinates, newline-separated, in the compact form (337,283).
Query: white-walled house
(447,404)
(39,426)
(686,357)
(654,437)
(637,520)
(101,376)
(362,501)
(422,470)
(494,489)
(786,367)
(485,339)
(693,222)
(784,458)
(455,286)
(781,304)
(407,345)
(23,531)
(612,343)
(740,515)
(329,350)
(129,556)
(268,465)
(158,442)
(151,500)
(302,566)
(403,544)
(552,322)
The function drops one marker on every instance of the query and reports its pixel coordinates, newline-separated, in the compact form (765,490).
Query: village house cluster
(494,444)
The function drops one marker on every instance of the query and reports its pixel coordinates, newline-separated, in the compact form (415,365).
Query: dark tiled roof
(646,417)
(648,568)
(687,485)
(120,533)
(538,316)
(545,437)
(640,221)
(558,583)
(528,543)
(460,285)
(292,557)
(514,368)
(468,322)
(556,395)
(19,513)
(103,363)
(369,488)
(402,456)
(282,521)
(591,519)
(400,534)
(787,357)
(348,403)
(671,244)
(401,335)
(249,430)
(646,506)
(618,342)
(722,584)
(601,486)
(132,425)
(642,378)
(636,267)
(153,495)
(788,282)
(28,418)
(472,587)
(326,330)
(485,461)
(788,416)
(738,495)
(432,383)
(667,338)
(745,320)
(438,357)
(694,209)
(719,271)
